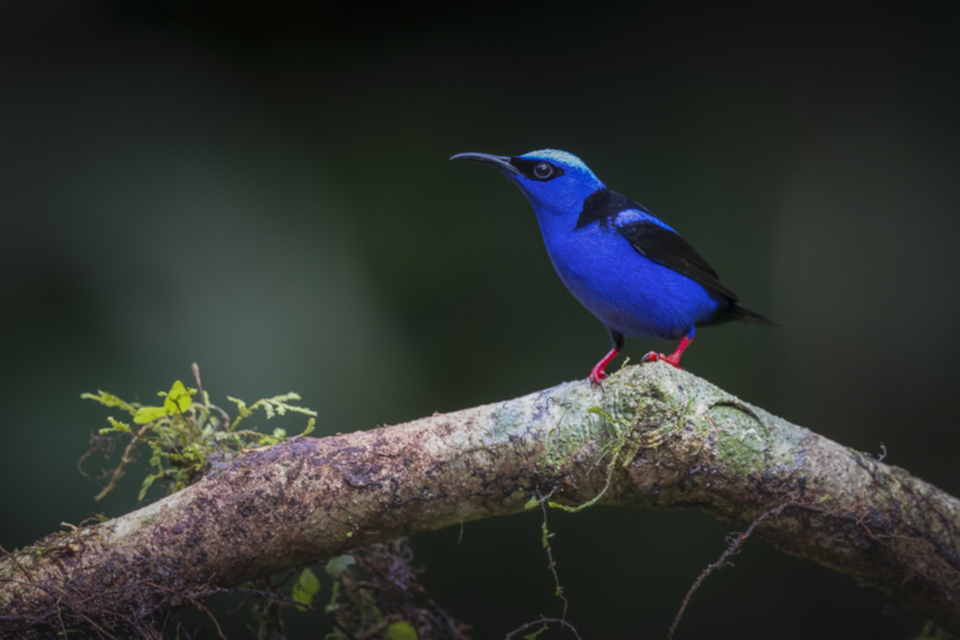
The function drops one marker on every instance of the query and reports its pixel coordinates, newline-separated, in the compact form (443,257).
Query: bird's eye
(543,170)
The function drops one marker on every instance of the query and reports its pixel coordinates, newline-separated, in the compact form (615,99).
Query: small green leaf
(122,427)
(825,497)
(311,423)
(279,435)
(146,485)
(603,414)
(402,630)
(109,400)
(177,400)
(546,534)
(533,636)
(308,585)
(336,566)
(241,405)
(532,503)
(149,414)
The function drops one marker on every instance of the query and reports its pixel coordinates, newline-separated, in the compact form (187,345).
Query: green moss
(610,425)
(750,440)
(184,434)
(669,402)
(739,446)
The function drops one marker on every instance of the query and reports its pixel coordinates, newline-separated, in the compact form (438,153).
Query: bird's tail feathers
(743,314)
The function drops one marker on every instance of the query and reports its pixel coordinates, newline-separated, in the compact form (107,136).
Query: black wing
(665,247)
(652,240)
(669,249)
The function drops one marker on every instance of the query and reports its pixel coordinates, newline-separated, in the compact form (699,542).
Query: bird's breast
(624,289)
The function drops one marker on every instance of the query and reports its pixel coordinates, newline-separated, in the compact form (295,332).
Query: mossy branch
(652,437)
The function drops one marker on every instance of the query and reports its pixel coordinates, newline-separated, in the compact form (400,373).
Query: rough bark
(652,437)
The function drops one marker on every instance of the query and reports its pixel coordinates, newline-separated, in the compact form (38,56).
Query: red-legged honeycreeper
(624,264)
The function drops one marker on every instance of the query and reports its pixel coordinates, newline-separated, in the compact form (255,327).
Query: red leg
(598,373)
(673,358)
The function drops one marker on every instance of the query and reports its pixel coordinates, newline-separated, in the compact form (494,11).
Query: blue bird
(625,265)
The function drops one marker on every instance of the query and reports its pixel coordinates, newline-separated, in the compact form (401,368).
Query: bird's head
(555,182)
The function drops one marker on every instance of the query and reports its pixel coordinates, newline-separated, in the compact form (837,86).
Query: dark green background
(266,192)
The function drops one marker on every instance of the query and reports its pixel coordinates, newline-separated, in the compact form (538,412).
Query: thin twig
(542,620)
(194,602)
(63,627)
(196,375)
(733,549)
(13,557)
(552,564)
(125,459)
(100,630)
(96,444)
(287,601)
(103,594)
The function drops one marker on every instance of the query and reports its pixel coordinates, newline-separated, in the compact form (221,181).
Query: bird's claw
(597,375)
(673,359)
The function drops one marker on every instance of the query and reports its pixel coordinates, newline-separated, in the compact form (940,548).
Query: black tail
(745,315)
(736,311)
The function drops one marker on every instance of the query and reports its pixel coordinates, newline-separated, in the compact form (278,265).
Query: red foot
(597,373)
(673,358)
(653,356)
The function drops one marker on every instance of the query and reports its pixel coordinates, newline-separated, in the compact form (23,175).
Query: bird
(627,266)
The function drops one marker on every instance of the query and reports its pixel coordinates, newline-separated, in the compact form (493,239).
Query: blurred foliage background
(264,189)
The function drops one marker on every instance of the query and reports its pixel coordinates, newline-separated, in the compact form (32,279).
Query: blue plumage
(625,265)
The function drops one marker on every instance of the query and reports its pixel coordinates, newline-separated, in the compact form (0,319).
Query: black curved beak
(500,162)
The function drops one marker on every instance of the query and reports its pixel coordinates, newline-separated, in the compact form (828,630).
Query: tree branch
(653,437)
